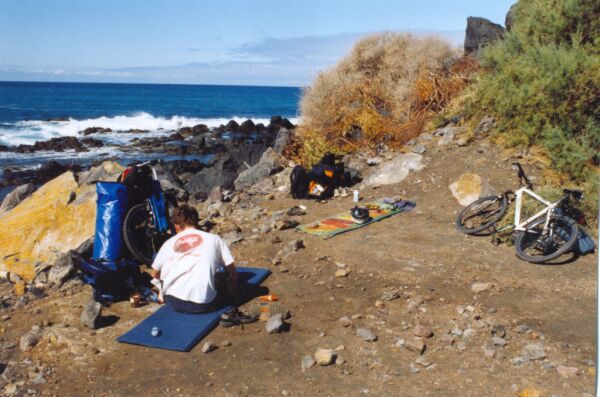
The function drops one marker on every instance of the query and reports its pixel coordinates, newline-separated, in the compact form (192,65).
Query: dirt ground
(418,254)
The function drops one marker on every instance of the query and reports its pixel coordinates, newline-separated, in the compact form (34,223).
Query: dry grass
(385,90)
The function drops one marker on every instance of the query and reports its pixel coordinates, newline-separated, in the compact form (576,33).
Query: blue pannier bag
(110,211)
(584,244)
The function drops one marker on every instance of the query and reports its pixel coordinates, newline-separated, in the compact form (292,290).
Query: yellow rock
(530,392)
(19,288)
(43,226)
(469,187)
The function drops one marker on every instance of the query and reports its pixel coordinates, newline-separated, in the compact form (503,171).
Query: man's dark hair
(185,215)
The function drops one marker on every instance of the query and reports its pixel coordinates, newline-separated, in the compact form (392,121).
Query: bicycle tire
(138,246)
(528,235)
(479,206)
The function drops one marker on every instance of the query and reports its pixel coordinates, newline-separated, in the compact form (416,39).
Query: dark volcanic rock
(222,173)
(91,142)
(185,132)
(481,32)
(277,122)
(95,130)
(38,176)
(232,126)
(199,129)
(247,126)
(55,144)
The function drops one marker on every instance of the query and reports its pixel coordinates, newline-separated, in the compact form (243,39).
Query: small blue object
(180,331)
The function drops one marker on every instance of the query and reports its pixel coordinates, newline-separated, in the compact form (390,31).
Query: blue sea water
(31,112)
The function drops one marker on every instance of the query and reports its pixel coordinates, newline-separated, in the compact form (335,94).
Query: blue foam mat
(179,331)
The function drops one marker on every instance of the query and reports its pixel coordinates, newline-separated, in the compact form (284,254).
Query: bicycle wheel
(537,245)
(137,233)
(481,214)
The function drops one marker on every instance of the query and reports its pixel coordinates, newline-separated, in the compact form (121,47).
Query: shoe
(236,317)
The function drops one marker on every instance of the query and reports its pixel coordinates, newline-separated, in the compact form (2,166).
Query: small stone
(324,357)
(488,352)
(481,287)
(460,309)
(345,322)
(307,362)
(379,304)
(418,148)
(91,313)
(372,161)
(423,331)
(342,273)
(400,343)
(366,334)
(284,224)
(530,392)
(468,333)
(275,324)
(498,330)
(423,361)
(567,372)
(296,211)
(208,347)
(456,332)
(30,339)
(522,328)
(225,343)
(499,342)
(533,351)
(416,345)
(390,295)
(339,361)
(340,348)
(5,317)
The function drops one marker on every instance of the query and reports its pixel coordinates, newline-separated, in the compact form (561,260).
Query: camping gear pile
(322,180)
(111,271)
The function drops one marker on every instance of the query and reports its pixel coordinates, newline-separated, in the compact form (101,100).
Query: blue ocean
(31,112)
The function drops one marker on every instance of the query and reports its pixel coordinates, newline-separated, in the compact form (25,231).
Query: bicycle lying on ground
(147,222)
(542,237)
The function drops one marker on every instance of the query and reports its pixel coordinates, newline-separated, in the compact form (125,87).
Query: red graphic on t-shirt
(187,242)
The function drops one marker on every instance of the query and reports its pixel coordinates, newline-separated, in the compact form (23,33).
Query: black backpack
(299,182)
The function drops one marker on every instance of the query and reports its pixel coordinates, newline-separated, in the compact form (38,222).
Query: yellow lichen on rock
(45,225)
(469,187)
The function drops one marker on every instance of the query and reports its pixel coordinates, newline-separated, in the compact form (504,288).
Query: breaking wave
(28,132)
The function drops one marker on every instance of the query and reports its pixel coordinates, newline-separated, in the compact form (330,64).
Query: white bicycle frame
(521,226)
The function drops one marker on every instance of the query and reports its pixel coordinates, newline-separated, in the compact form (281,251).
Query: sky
(252,42)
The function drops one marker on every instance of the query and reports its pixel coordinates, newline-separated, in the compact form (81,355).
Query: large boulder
(42,227)
(270,162)
(394,171)
(282,140)
(469,187)
(222,173)
(13,198)
(481,32)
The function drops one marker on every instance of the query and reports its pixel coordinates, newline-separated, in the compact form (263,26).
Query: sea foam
(28,132)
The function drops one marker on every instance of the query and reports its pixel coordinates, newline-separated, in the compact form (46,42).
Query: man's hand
(155,274)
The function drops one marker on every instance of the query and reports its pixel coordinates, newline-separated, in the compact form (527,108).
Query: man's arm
(155,273)
(232,276)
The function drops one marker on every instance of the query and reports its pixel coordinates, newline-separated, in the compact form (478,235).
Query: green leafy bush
(542,82)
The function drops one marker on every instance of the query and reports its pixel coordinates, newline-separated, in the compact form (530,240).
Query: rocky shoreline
(214,156)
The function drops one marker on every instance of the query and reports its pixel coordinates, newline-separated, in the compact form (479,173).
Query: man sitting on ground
(188,265)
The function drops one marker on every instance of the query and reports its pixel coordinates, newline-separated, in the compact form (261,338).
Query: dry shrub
(385,90)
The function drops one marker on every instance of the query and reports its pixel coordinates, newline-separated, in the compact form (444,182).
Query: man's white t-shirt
(188,263)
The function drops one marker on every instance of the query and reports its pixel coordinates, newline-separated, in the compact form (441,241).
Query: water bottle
(355,199)
(155,331)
